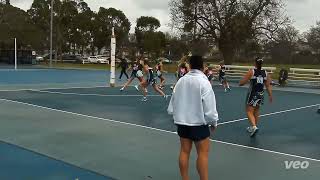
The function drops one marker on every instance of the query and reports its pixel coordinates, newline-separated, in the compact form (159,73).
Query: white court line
(99,95)
(57,88)
(156,129)
(269,114)
(60,88)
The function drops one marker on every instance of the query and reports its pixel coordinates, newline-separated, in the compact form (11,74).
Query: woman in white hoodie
(193,106)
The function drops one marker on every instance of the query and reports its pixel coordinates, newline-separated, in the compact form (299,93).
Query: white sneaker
(137,87)
(122,89)
(225,90)
(171,87)
(165,97)
(249,129)
(254,131)
(144,99)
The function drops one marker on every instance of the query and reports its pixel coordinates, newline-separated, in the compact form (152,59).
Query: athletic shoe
(146,90)
(229,89)
(122,89)
(144,99)
(165,97)
(137,87)
(254,131)
(225,90)
(249,129)
(319,110)
(171,87)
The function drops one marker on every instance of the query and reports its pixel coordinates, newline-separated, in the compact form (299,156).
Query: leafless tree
(229,23)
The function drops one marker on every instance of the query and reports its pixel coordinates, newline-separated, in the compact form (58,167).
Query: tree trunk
(228,55)
(228,51)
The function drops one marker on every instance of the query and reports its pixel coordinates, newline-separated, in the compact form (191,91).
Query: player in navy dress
(136,73)
(159,70)
(151,80)
(258,79)
(223,78)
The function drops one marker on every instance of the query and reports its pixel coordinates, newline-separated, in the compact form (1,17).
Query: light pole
(51,27)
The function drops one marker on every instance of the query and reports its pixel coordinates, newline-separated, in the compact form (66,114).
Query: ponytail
(259,62)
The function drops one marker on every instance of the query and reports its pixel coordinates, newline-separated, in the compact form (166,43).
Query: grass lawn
(75,65)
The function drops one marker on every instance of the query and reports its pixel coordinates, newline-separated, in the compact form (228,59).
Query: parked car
(47,56)
(71,58)
(102,59)
(39,58)
(85,60)
(93,59)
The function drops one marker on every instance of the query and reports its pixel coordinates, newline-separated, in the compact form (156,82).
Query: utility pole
(15,54)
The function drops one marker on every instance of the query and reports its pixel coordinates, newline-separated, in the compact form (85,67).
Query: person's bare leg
(162,80)
(156,88)
(143,86)
(227,84)
(250,114)
(185,150)
(257,114)
(128,83)
(202,160)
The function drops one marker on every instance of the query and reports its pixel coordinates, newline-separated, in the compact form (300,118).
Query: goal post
(113,60)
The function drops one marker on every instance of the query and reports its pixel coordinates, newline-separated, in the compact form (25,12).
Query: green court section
(129,152)
(96,102)
(295,125)
(17,163)
(295,132)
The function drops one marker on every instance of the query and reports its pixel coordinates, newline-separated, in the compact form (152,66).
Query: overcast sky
(304,13)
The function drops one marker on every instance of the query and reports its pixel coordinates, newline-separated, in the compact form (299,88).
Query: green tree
(104,21)
(20,27)
(145,24)
(154,42)
(68,26)
(176,47)
(148,38)
(84,24)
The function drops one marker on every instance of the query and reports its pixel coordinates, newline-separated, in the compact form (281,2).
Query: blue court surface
(67,124)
